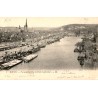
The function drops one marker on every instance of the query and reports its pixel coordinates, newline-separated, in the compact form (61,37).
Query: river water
(58,55)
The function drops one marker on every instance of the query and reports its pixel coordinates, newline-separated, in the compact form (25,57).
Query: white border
(48,8)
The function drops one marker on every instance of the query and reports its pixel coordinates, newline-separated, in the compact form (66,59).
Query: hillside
(74,27)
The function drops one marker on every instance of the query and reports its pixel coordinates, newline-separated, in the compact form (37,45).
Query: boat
(76,50)
(10,64)
(29,57)
(35,49)
(81,56)
(42,45)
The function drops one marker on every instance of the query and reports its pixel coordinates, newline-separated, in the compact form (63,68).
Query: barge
(10,64)
(29,57)
(42,45)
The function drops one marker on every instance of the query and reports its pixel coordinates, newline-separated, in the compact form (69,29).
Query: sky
(46,21)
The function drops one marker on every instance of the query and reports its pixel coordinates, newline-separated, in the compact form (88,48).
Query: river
(56,56)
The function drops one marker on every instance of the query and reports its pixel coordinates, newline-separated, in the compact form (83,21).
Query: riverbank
(88,53)
(27,48)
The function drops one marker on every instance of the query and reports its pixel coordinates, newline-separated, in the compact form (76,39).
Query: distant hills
(72,27)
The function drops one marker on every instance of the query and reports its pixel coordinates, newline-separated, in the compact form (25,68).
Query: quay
(88,52)
(24,51)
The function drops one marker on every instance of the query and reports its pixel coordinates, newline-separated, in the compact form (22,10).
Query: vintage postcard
(49,48)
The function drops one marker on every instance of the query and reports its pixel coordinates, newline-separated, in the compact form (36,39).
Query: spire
(26,25)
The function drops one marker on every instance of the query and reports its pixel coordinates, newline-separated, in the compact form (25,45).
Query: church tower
(26,26)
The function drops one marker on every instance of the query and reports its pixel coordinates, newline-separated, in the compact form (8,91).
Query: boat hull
(30,59)
(2,67)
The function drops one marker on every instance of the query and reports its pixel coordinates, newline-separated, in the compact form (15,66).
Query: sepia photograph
(48,47)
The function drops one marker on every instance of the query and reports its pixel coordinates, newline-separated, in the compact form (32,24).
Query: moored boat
(35,49)
(42,45)
(10,64)
(29,57)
